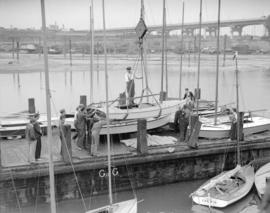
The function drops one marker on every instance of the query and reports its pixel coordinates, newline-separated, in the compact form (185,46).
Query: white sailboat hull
(147,111)
(258,124)
(129,206)
(260,179)
(208,196)
(128,126)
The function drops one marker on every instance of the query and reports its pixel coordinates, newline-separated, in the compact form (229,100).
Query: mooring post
(142,136)
(70,53)
(197,94)
(163,96)
(13,47)
(83,100)
(31,105)
(241,124)
(183,124)
(195,126)
(66,151)
(18,49)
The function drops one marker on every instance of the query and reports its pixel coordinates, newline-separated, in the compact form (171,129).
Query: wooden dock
(161,165)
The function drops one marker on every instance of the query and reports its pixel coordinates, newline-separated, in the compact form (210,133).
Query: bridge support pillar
(238,29)
(212,31)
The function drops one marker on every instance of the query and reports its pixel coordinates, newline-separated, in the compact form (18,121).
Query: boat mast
(92,49)
(163,44)
(107,105)
(143,53)
(237,107)
(199,59)
(181,54)
(217,64)
(48,103)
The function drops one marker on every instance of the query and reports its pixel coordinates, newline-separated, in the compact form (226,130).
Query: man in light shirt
(130,86)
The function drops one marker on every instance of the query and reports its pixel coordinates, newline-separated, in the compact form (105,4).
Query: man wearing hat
(130,86)
(38,134)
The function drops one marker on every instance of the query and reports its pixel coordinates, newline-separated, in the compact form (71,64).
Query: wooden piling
(224,50)
(17,50)
(65,136)
(31,105)
(241,125)
(195,126)
(197,94)
(70,53)
(64,48)
(183,124)
(13,47)
(83,100)
(142,136)
(163,96)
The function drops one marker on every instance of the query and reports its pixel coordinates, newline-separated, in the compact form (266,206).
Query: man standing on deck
(188,94)
(130,86)
(38,134)
(81,126)
(99,121)
(31,138)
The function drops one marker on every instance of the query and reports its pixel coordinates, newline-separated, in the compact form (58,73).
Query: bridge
(210,26)
(189,28)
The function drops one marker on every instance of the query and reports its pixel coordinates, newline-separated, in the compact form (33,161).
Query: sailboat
(221,126)
(146,109)
(129,206)
(262,176)
(229,186)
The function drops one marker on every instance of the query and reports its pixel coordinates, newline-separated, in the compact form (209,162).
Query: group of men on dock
(88,123)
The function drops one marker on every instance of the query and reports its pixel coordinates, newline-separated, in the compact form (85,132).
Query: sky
(123,13)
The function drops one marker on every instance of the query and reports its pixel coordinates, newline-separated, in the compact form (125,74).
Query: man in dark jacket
(81,127)
(38,134)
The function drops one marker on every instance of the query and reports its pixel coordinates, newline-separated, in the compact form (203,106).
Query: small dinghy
(261,177)
(226,188)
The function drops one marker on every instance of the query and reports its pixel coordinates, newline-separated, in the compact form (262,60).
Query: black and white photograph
(134,106)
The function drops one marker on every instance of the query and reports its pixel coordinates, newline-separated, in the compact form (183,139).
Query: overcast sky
(123,13)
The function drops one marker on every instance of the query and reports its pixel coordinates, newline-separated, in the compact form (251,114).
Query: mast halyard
(48,107)
(181,57)
(91,49)
(199,60)
(107,105)
(217,64)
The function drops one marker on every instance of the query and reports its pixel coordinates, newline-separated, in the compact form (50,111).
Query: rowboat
(225,188)
(260,179)
(222,130)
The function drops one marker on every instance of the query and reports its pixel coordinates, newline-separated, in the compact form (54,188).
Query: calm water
(171,198)
(67,84)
